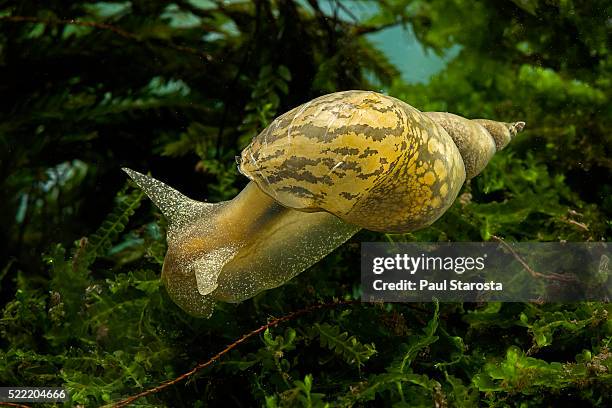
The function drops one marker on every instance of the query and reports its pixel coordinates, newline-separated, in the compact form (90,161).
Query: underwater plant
(320,172)
(179,88)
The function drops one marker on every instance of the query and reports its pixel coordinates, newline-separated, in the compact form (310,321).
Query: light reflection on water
(399,44)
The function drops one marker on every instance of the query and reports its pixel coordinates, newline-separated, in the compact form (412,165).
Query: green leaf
(348,347)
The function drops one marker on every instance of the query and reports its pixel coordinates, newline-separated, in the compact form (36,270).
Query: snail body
(319,173)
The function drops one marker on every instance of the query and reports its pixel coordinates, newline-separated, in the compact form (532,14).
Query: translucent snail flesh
(319,173)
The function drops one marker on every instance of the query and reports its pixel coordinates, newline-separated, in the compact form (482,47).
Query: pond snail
(319,173)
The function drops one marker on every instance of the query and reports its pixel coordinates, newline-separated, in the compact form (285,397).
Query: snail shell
(370,159)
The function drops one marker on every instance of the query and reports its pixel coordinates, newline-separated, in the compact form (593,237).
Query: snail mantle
(319,173)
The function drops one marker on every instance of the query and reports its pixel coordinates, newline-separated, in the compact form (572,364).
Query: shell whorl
(370,159)
(502,132)
(474,142)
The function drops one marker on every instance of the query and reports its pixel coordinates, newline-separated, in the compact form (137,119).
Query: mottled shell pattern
(370,159)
